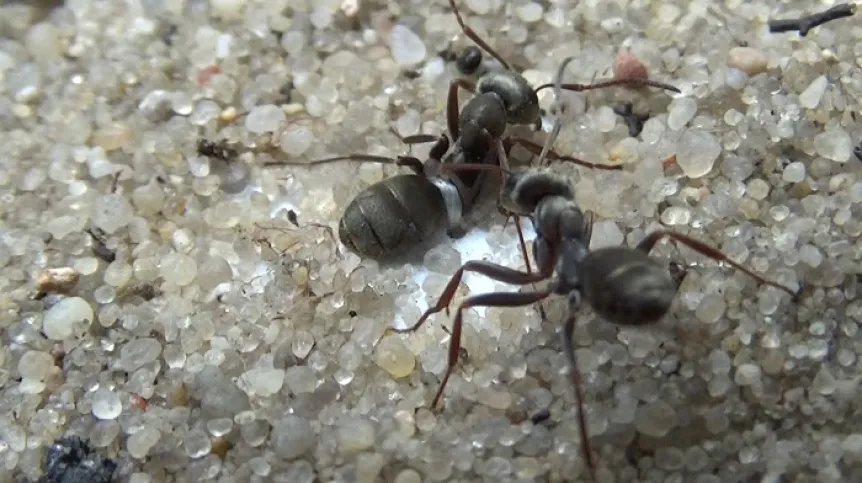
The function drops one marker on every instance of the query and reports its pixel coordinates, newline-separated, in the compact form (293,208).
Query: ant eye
(469,60)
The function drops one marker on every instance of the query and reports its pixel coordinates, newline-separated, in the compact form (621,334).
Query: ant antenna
(557,108)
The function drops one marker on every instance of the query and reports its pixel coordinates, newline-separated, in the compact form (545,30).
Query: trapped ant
(623,285)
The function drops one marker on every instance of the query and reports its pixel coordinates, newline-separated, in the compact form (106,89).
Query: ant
(216,149)
(506,97)
(623,285)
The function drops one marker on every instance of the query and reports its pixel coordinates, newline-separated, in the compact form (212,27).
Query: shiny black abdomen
(627,287)
(391,217)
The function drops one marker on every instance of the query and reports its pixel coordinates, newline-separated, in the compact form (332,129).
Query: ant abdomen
(626,286)
(393,216)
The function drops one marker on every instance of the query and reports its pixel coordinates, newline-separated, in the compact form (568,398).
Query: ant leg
(521,241)
(439,149)
(503,160)
(431,167)
(491,270)
(511,215)
(523,244)
(616,82)
(453,116)
(420,139)
(493,299)
(412,139)
(441,144)
(472,35)
(540,307)
(536,149)
(568,333)
(464,167)
(714,253)
(411,162)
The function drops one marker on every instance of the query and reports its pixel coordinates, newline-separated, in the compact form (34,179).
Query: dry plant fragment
(627,66)
(57,280)
(804,24)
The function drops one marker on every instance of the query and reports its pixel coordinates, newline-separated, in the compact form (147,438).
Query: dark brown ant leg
(420,139)
(647,243)
(431,166)
(568,333)
(494,299)
(414,139)
(439,149)
(551,155)
(364,158)
(453,116)
(472,35)
(409,161)
(441,143)
(503,161)
(611,83)
(491,270)
(521,240)
(511,215)
(462,167)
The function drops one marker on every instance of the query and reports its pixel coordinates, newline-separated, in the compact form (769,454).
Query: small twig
(115,182)
(803,25)
(100,247)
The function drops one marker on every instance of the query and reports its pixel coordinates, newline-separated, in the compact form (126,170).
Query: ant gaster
(623,285)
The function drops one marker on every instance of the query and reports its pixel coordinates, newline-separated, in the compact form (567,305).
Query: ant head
(527,188)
